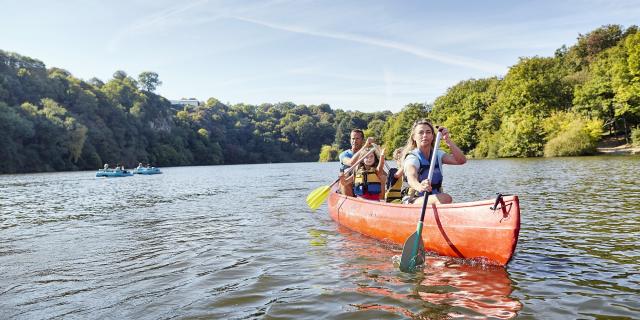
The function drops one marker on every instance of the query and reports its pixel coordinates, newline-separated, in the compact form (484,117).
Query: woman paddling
(418,153)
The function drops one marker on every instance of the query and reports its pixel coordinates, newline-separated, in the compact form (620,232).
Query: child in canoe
(369,178)
(394,180)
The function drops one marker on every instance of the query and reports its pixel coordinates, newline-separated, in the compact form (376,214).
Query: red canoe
(469,230)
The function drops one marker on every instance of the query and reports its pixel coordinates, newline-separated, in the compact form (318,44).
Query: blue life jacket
(423,171)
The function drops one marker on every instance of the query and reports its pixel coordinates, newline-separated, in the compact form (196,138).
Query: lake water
(238,242)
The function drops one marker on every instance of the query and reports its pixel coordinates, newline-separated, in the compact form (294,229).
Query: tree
(521,135)
(77,137)
(343,131)
(95,82)
(15,129)
(571,134)
(328,153)
(626,79)
(612,90)
(120,75)
(375,129)
(149,81)
(594,42)
(398,127)
(595,96)
(535,84)
(462,108)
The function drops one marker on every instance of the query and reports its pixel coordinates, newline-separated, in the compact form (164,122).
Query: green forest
(544,106)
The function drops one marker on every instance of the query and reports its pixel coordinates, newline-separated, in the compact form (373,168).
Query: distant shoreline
(617,145)
(627,149)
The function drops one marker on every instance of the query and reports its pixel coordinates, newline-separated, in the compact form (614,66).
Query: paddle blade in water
(317,197)
(412,256)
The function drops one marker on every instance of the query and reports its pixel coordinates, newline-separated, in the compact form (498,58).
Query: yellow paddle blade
(317,202)
(315,192)
(317,197)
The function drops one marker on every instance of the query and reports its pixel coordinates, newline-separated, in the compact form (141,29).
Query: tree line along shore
(562,105)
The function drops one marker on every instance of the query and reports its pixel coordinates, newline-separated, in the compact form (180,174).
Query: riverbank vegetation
(543,106)
(635,137)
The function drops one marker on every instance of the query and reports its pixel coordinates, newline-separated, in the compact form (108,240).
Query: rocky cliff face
(161,124)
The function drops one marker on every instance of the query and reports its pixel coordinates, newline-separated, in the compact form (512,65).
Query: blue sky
(354,55)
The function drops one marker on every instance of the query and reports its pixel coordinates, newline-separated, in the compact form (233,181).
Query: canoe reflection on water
(484,290)
(445,287)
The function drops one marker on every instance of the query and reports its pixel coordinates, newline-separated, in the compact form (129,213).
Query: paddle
(412,251)
(320,194)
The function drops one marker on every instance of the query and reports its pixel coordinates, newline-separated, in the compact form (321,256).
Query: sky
(353,55)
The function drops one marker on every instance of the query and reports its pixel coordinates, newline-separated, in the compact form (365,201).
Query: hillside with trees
(52,121)
(543,106)
(550,106)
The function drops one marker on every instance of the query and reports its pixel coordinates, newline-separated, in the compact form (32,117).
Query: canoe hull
(470,230)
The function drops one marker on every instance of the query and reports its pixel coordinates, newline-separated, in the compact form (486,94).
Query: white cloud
(394,45)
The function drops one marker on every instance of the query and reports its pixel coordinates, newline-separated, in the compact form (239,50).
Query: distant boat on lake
(109,173)
(143,170)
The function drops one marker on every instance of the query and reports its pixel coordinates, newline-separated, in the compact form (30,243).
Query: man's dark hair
(359,131)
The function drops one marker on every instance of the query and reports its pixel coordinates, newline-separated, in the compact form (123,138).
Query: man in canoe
(351,156)
(417,157)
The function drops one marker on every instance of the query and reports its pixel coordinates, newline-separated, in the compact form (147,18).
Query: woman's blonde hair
(411,144)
